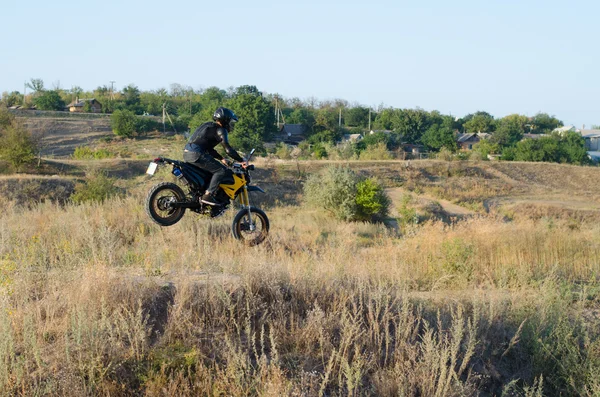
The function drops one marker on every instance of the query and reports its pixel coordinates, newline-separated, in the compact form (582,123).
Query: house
(468,140)
(566,128)
(292,134)
(78,105)
(413,148)
(533,136)
(592,139)
(387,132)
(352,137)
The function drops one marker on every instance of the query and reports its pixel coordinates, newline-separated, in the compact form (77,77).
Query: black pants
(210,164)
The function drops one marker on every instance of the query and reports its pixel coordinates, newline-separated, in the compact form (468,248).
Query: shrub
(123,123)
(445,154)
(143,125)
(17,145)
(97,187)
(319,151)
(377,151)
(371,200)
(283,152)
(340,191)
(85,153)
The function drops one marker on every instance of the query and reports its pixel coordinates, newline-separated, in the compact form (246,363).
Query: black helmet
(226,116)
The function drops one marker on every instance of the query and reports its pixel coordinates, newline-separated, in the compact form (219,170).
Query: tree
(386,119)
(12,99)
(17,145)
(510,130)
(542,123)
(412,125)
(37,85)
(132,96)
(123,123)
(256,118)
(440,136)
(49,100)
(572,148)
(357,117)
(478,122)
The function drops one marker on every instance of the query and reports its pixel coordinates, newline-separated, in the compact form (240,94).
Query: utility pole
(164,128)
(24,92)
(369,119)
(340,120)
(112,96)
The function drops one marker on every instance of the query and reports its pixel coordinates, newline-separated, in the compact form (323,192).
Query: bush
(283,152)
(143,125)
(97,187)
(85,153)
(17,145)
(371,200)
(123,123)
(319,151)
(377,151)
(341,192)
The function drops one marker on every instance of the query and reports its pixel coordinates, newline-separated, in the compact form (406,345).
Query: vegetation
(341,192)
(96,188)
(17,145)
(95,300)
(325,122)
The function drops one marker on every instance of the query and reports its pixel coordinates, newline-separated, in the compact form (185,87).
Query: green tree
(479,122)
(440,136)
(123,123)
(12,99)
(17,145)
(572,148)
(412,124)
(486,147)
(37,85)
(542,123)
(386,119)
(131,95)
(256,119)
(510,130)
(357,117)
(49,100)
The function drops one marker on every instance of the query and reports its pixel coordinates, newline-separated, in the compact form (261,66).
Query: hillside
(485,280)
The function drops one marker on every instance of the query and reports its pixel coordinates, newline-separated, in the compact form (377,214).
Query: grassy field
(483,282)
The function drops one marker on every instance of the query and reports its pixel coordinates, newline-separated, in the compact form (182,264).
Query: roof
(590,133)
(465,137)
(293,129)
(81,102)
(352,137)
(566,128)
(383,131)
(533,136)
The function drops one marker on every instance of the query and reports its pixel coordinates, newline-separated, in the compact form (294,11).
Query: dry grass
(97,300)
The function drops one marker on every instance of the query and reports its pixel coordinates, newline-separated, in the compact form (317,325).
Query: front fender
(255,189)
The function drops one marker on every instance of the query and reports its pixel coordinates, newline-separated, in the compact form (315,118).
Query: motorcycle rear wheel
(250,233)
(159,200)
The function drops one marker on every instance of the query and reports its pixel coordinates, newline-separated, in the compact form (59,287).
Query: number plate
(151,168)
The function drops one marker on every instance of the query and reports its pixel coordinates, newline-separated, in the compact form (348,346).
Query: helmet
(226,117)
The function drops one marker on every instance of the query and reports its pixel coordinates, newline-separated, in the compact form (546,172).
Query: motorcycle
(166,202)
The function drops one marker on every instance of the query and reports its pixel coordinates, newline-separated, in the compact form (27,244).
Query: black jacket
(209,135)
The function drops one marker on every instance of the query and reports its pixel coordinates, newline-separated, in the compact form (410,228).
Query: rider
(200,150)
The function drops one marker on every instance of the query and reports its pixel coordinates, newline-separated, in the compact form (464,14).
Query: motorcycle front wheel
(253,228)
(159,203)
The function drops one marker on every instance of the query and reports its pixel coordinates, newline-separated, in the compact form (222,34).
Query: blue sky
(454,56)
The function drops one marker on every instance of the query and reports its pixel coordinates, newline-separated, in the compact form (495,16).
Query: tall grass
(97,300)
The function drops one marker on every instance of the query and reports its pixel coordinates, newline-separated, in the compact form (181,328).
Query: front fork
(245,202)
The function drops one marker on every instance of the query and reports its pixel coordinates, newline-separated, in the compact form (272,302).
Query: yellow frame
(232,189)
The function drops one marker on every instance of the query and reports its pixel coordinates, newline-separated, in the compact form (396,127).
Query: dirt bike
(166,202)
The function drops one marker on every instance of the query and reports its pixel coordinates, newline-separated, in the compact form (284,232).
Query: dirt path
(450,208)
